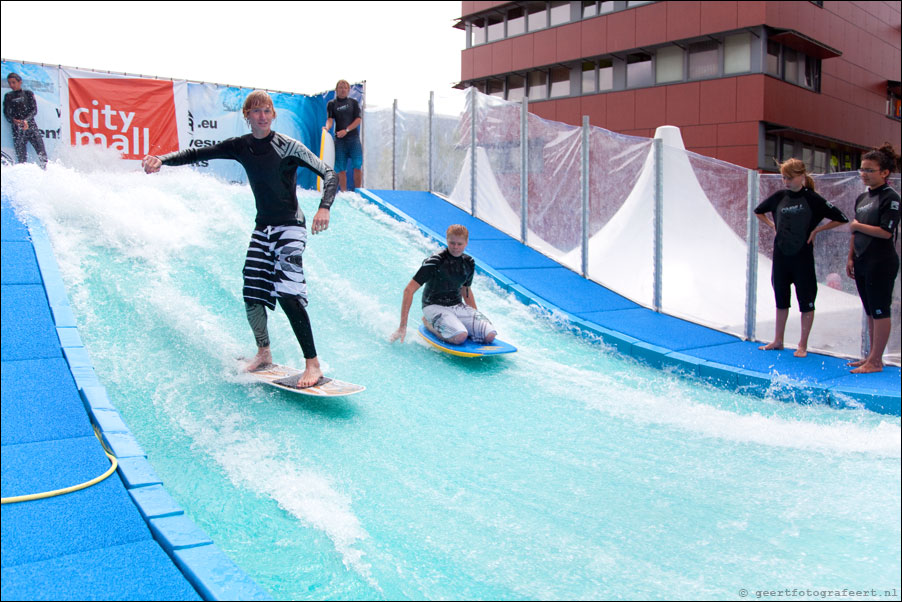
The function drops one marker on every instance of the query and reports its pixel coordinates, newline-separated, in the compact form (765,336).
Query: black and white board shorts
(274,265)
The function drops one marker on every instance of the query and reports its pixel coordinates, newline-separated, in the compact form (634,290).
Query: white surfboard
(326,154)
(286,378)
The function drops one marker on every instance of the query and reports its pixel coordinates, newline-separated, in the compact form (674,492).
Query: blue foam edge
(137,472)
(215,576)
(177,533)
(154,501)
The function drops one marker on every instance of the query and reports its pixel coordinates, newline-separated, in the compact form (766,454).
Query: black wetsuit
(21,105)
(271,164)
(875,260)
(796,215)
(344,111)
(444,275)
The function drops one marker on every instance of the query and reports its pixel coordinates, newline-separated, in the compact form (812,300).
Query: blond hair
(796,167)
(457,230)
(257,98)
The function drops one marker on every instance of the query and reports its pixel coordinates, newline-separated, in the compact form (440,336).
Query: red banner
(134,116)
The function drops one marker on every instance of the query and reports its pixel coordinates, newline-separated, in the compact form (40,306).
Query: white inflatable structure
(704,261)
(493,208)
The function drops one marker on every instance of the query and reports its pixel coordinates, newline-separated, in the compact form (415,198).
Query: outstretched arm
(406,302)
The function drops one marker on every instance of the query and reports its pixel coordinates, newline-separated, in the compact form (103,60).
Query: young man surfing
(273,269)
(449,307)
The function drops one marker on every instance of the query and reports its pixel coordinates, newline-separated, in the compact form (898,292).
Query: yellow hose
(85,485)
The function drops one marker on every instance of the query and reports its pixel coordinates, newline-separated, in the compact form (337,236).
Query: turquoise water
(562,472)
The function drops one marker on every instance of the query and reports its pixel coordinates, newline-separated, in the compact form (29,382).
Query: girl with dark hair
(873,261)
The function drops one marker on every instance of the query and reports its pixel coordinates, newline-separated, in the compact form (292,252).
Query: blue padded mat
(819,368)
(26,325)
(437,214)
(568,290)
(97,517)
(504,254)
(12,228)
(33,389)
(19,264)
(148,574)
(658,329)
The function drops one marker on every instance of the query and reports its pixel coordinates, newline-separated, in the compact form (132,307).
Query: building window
(820,161)
(516,87)
(496,27)
(495,87)
(537,15)
(537,85)
(560,13)
(589,78)
(477,32)
(606,74)
(639,70)
(669,64)
(560,82)
(516,22)
(737,53)
(773,59)
(893,105)
(703,61)
(590,9)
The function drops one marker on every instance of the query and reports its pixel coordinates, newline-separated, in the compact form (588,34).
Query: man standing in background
(20,108)
(345,112)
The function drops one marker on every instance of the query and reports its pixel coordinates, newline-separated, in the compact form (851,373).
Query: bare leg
(860,362)
(358,178)
(879,338)
(342,181)
(262,358)
(779,331)
(807,321)
(312,373)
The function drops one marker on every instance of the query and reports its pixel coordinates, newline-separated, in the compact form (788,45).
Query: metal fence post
(473,152)
(431,149)
(751,277)
(584,194)
(524,170)
(659,223)
(394,143)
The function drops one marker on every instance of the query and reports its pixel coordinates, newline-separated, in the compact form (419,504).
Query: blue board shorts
(348,153)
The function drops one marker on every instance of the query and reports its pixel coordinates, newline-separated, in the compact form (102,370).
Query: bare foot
(771,346)
(260,360)
(801,352)
(311,374)
(868,368)
(856,363)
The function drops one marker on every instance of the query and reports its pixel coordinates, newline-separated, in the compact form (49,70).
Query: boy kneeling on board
(449,307)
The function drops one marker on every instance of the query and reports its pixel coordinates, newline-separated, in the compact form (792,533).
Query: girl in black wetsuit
(273,269)
(873,261)
(796,211)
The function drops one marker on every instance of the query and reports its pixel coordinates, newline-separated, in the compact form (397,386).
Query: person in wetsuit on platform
(273,269)
(20,109)
(797,210)
(345,113)
(873,261)
(449,307)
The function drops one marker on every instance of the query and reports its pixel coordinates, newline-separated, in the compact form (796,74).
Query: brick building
(747,82)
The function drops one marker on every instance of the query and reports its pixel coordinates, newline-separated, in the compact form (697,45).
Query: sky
(403,50)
